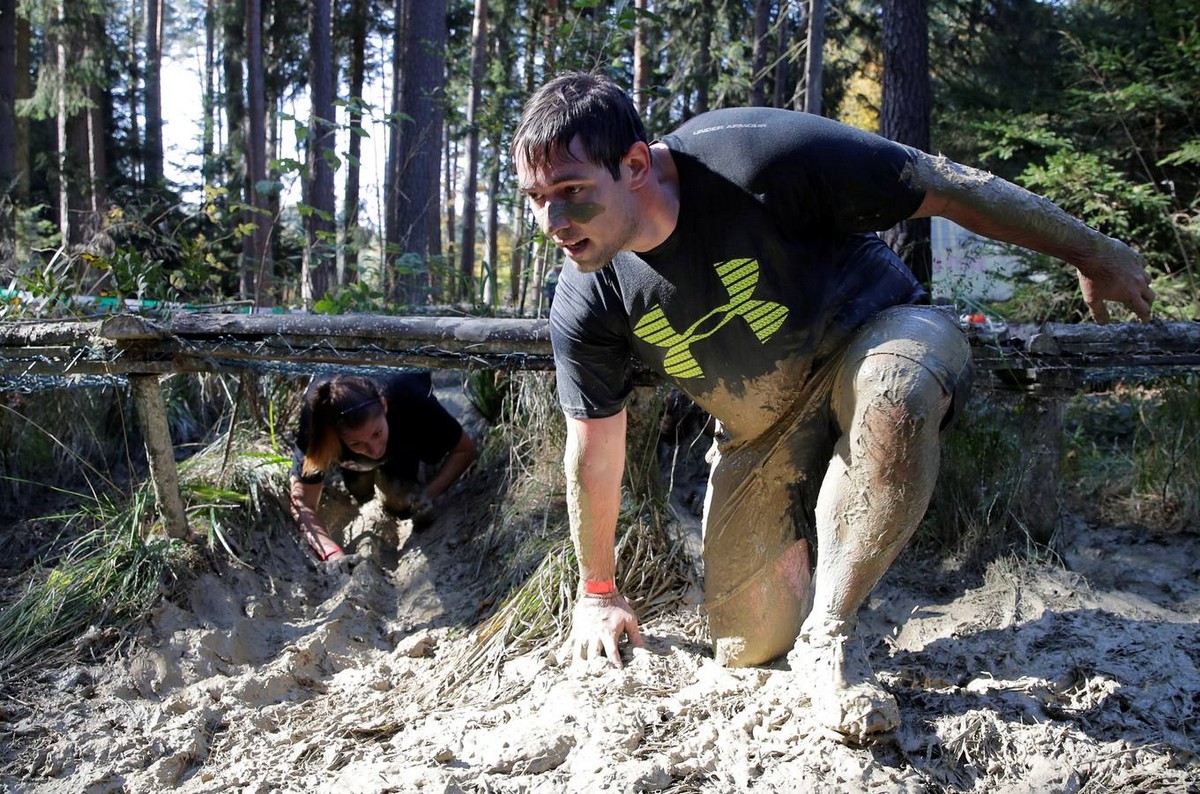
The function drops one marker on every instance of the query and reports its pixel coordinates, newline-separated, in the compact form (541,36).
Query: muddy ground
(268,675)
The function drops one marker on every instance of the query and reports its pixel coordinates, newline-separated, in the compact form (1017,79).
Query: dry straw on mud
(539,574)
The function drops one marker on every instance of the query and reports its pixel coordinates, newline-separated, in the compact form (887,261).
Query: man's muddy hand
(597,625)
(1118,273)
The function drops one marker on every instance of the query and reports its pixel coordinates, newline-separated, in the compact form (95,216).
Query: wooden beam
(1050,357)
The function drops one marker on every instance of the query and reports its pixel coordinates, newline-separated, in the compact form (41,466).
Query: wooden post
(160,453)
(1041,457)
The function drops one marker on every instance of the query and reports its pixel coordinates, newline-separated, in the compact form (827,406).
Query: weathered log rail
(1044,363)
(126,344)
(1033,358)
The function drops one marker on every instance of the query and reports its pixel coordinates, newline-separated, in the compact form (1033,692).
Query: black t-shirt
(419,429)
(769,270)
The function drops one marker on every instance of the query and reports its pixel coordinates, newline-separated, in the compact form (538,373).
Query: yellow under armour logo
(740,277)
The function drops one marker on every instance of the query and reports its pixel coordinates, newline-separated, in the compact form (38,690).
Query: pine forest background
(1091,102)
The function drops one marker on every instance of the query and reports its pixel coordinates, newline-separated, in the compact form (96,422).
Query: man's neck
(660,201)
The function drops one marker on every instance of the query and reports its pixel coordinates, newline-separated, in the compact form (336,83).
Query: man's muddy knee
(759,621)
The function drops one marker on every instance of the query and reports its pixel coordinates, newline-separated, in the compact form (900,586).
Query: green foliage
(1100,117)
(107,578)
(142,251)
(488,390)
(357,297)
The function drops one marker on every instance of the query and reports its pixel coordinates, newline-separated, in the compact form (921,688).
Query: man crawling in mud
(736,256)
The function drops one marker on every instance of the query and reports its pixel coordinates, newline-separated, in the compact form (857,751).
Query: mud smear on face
(583,212)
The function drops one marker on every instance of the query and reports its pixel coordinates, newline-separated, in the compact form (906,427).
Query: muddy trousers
(852,466)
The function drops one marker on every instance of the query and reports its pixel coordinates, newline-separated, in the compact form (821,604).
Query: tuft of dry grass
(528,536)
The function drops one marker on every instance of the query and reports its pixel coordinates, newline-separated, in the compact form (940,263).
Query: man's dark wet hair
(578,103)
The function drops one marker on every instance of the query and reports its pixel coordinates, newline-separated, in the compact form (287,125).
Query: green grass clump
(109,576)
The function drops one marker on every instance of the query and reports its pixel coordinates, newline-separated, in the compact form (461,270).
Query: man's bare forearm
(594,463)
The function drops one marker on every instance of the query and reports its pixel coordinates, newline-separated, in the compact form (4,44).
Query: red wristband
(599,587)
(330,553)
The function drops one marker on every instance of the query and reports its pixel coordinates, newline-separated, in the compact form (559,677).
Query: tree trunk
(235,156)
(415,171)
(258,275)
(470,197)
(905,114)
(8,128)
(21,90)
(705,65)
(71,129)
(357,79)
(154,120)
(782,42)
(520,252)
(491,291)
(449,287)
(8,88)
(273,86)
(208,168)
(137,156)
(758,79)
(318,264)
(551,16)
(641,59)
(815,63)
(99,108)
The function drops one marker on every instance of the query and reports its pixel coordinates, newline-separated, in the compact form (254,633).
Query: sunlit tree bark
(234,158)
(814,66)
(762,48)
(258,273)
(208,168)
(318,264)
(356,79)
(907,100)
(8,87)
(414,170)
(642,68)
(471,182)
(153,97)
(8,126)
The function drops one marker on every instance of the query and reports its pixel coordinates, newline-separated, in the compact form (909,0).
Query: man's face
(587,213)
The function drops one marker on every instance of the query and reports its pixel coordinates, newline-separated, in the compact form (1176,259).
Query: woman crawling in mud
(387,433)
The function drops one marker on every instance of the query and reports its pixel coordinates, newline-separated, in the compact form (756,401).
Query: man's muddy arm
(595,463)
(995,208)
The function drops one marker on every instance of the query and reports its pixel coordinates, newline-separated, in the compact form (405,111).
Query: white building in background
(968,268)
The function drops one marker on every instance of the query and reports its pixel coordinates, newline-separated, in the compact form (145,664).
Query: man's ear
(638,162)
